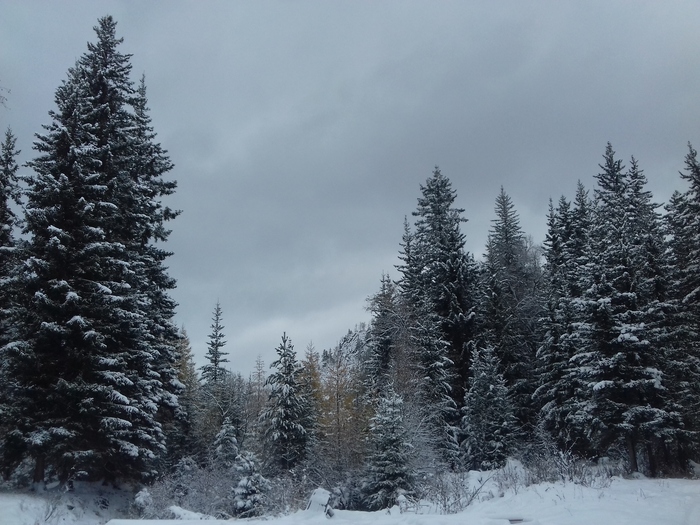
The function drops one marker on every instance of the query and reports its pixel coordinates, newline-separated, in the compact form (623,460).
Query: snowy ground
(623,502)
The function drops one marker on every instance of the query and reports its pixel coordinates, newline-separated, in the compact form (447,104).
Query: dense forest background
(585,347)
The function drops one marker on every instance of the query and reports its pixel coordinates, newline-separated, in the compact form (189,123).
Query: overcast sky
(301,131)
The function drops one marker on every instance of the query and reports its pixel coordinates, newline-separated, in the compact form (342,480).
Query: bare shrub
(450,493)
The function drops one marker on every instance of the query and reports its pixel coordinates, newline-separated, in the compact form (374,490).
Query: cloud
(301,131)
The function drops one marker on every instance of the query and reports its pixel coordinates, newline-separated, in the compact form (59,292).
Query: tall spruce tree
(213,373)
(488,422)
(9,260)
(566,248)
(444,273)
(389,474)
(510,305)
(682,225)
(93,365)
(286,414)
(9,195)
(381,337)
(622,358)
(180,432)
(437,288)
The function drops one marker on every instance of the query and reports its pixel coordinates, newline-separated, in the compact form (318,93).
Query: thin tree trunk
(632,451)
(39,469)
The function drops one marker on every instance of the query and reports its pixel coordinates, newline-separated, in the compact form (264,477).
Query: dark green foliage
(565,250)
(250,494)
(622,356)
(488,423)
(510,305)
(225,446)
(382,336)
(444,274)
(683,230)
(389,474)
(94,362)
(437,294)
(213,373)
(286,415)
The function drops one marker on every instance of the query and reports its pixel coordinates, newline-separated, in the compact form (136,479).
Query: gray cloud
(301,131)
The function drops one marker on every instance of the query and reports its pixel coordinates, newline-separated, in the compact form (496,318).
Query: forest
(585,348)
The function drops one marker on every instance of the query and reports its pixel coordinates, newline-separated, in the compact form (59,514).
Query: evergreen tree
(444,273)
(226,445)
(435,375)
(622,355)
(93,364)
(9,194)
(250,492)
(181,435)
(437,292)
(9,260)
(682,229)
(381,337)
(510,305)
(161,338)
(213,373)
(566,247)
(488,423)
(389,474)
(310,390)
(286,413)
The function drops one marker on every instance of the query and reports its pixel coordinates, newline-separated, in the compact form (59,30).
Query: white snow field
(622,502)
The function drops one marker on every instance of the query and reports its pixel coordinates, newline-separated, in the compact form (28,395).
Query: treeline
(587,344)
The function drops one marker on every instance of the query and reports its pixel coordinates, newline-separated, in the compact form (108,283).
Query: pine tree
(488,423)
(181,435)
(286,412)
(436,372)
(682,223)
(381,337)
(226,445)
(214,373)
(161,337)
(444,273)
(437,294)
(9,194)
(389,474)
(566,247)
(93,365)
(9,289)
(622,357)
(510,305)
(9,191)
(250,492)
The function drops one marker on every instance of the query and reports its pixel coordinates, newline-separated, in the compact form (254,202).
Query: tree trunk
(632,452)
(39,469)
(651,457)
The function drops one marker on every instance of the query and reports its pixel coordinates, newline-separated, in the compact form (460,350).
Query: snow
(620,502)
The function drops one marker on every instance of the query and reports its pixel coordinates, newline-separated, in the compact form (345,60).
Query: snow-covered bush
(143,503)
(288,492)
(196,488)
(389,473)
(250,494)
(452,492)
(20,477)
(545,462)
